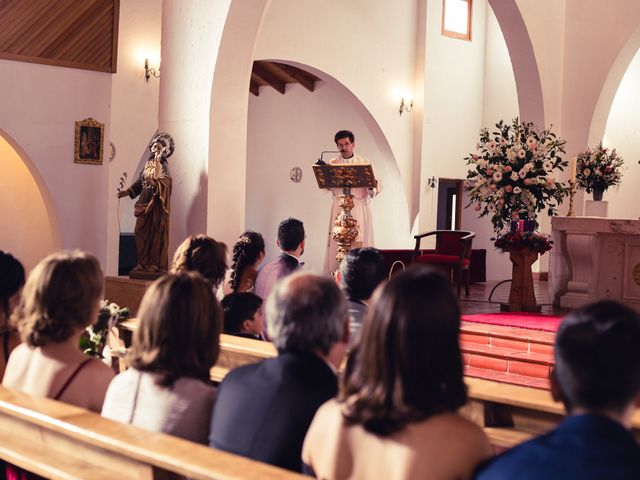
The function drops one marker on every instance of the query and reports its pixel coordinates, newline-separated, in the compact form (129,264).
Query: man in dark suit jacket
(263,411)
(597,376)
(291,244)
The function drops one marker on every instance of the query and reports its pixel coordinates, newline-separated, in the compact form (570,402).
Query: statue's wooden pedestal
(126,292)
(522,297)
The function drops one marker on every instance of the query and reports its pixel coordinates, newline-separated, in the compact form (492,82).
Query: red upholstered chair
(453,253)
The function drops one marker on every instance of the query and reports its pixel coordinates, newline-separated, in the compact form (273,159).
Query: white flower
(114,309)
(547,165)
(523,173)
(528,166)
(522,153)
(511,155)
(497,177)
(586,172)
(491,207)
(491,145)
(503,141)
(481,162)
(517,190)
(531,143)
(514,176)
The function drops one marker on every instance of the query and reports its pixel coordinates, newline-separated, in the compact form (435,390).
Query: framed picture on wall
(89,144)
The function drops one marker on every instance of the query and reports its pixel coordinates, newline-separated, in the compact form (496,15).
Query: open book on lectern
(343,175)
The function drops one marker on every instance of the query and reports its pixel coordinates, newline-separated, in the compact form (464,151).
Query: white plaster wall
(134,111)
(623,133)
(40,104)
(453,105)
(28,233)
(292,130)
(500,101)
(368,47)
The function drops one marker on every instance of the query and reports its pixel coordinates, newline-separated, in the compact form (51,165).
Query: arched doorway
(30,228)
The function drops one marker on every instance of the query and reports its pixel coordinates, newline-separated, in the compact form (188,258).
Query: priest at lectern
(345,141)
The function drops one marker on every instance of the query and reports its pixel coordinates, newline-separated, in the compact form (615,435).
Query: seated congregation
(368,381)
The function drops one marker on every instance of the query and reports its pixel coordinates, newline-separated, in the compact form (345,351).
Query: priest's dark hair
(406,365)
(597,360)
(344,134)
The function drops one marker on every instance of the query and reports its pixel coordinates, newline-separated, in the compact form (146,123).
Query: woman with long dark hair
(396,414)
(167,388)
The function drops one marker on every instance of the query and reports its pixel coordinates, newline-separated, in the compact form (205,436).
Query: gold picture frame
(89,144)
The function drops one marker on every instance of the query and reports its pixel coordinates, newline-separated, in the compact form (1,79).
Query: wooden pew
(509,414)
(57,440)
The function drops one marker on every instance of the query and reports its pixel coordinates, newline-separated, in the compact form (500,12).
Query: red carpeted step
(507,360)
(510,378)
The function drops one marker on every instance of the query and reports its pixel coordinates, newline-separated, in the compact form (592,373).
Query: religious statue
(153,189)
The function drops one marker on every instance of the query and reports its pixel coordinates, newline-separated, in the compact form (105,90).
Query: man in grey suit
(263,410)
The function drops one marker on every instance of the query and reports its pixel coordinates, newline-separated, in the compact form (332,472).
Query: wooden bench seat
(57,440)
(509,414)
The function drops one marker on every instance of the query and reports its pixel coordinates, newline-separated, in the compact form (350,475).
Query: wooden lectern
(345,176)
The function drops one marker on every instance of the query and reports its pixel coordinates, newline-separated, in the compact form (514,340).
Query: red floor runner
(532,321)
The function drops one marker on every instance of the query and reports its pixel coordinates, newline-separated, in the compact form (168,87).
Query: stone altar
(595,258)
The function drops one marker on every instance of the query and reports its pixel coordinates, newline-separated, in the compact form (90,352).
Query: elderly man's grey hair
(306,312)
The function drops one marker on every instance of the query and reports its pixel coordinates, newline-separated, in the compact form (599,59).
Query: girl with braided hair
(248,253)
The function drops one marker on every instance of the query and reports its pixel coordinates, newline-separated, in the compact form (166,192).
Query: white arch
(35,230)
(610,87)
(523,59)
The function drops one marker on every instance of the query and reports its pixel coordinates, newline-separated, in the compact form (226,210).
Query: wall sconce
(406,106)
(150,72)
(432,182)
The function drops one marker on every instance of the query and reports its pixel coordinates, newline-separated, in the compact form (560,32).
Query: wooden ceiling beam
(303,78)
(269,78)
(254,87)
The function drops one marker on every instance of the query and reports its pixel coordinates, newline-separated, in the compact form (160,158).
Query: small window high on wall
(456,19)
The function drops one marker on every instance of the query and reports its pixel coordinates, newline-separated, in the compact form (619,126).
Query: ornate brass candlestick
(572,192)
(345,229)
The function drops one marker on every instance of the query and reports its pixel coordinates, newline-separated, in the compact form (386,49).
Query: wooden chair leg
(466,282)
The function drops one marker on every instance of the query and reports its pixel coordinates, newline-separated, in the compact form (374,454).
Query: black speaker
(128,257)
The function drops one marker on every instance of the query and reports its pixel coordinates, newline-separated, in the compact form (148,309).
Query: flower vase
(597,194)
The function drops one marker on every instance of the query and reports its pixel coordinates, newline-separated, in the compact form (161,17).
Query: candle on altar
(572,168)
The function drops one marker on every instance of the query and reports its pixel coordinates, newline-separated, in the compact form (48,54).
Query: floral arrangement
(93,340)
(598,168)
(516,240)
(512,175)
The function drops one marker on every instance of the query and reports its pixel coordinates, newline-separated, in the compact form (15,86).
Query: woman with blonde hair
(396,414)
(61,298)
(248,253)
(201,253)
(167,388)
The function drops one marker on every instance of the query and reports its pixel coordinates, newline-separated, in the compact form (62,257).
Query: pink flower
(507,168)
(477,207)
(508,188)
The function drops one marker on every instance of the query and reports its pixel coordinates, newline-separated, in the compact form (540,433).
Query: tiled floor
(506,354)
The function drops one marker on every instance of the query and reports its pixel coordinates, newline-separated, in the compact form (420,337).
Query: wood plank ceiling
(278,75)
(69,33)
